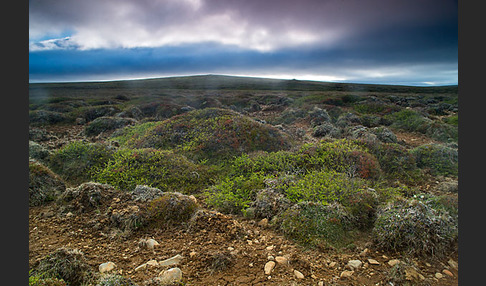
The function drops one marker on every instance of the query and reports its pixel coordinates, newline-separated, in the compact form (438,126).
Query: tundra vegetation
(324,163)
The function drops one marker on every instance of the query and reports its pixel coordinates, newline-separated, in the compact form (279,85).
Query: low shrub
(234,194)
(38,152)
(268,203)
(438,158)
(114,280)
(90,113)
(77,161)
(415,228)
(211,134)
(107,123)
(326,129)
(160,169)
(67,264)
(394,159)
(171,207)
(41,280)
(384,134)
(316,225)
(44,117)
(408,120)
(324,187)
(44,185)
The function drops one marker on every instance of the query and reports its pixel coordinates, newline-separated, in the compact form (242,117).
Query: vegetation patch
(211,134)
(160,169)
(415,228)
(107,123)
(67,264)
(438,158)
(77,161)
(171,207)
(44,185)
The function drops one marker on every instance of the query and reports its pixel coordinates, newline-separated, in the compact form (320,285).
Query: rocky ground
(222,250)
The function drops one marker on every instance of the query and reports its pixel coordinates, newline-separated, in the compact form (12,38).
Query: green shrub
(171,207)
(452,120)
(408,120)
(211,134)
(440,159)
(314,224)
(67,264)
(90,113)
(415,228)
(323,187)
(44,117)
(442,132)
(41,280)
(161,169)
(44,185)
(38,152)
(234,194)
(77,161)
(106,123)
(395,160)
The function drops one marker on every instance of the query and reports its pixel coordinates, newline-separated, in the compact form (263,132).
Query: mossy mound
(44,185)
(107,123)
(212,134)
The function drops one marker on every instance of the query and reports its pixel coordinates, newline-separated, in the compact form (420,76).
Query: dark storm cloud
(340,38)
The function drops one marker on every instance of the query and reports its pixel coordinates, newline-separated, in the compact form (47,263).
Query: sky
(404,42)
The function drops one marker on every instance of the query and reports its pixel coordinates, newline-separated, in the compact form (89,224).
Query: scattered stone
(230,248)
(438,275)
(281,260)
(346,274)
(332,264)
(263,222)
(141,267)
(170,276)
(270,248)
(393,262)
(152,262)
(192,254)
(298,274)
(269,267)
(453,264)
(355,264)
(320,283)
(364,252)
(148,243)
(411,274)
(373,262)
(447,272)
(271,258)
(106,267)
(171,261)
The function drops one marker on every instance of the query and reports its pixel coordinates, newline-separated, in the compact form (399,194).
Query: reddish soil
(48,230)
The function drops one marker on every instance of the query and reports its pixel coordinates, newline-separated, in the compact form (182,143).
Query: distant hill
(223,82)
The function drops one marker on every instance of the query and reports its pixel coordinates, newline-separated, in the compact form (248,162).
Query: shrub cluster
(414,227)
(171,207)
(161,169)
(77,161)
(440,159)
(107,123)
(44,185)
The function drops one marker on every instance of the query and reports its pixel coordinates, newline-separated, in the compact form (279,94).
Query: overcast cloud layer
(394,41)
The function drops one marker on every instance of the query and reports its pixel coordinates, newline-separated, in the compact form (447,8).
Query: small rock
(332,264)
(393,262)
(152,243)
(271,258)
(270,248)
(355,264)
(152,262)
(263,222)
(230,248)
(141,267)
(453,264)
(298,274)
(373,262)
(411,274)
(438,275)
(170,276)
(192,254)
(106,267)
(170,261)
(281,260)
(269,267)
(364,252)
(447,272)
(346,274)
(320,283)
